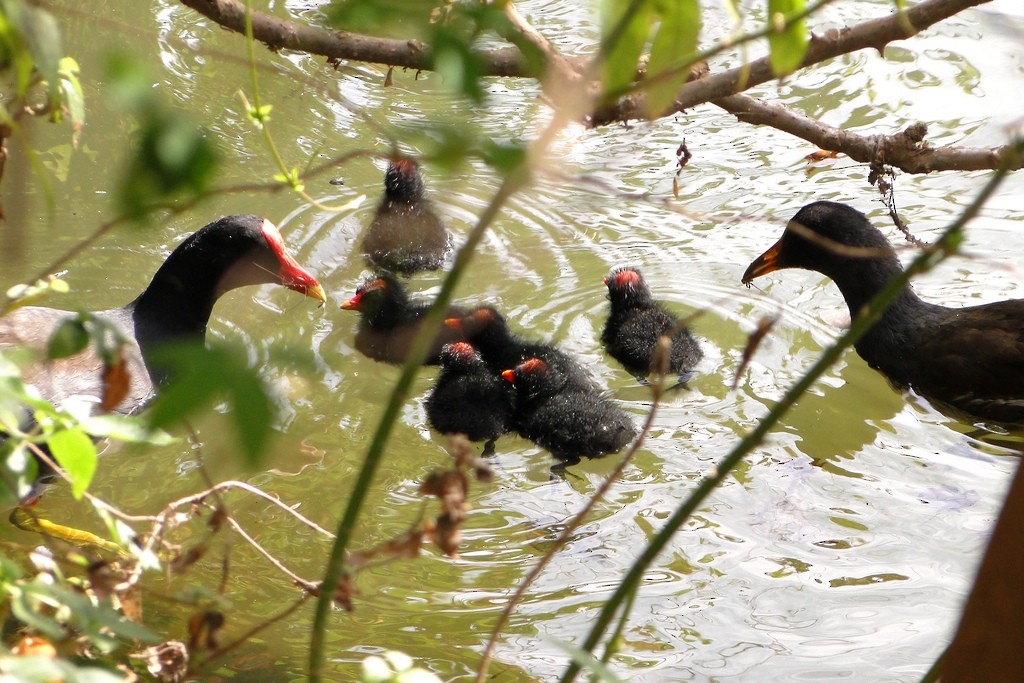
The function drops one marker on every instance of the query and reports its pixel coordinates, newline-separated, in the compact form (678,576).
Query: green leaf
(503,157)
(26,610)
(625,25)
(71,90)
(173,155)
(788,43)
(461,69)
(129,429)
(675,40)
(69,338)
(75,452)
(202,376)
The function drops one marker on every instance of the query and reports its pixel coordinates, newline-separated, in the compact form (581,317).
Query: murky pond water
(842,548)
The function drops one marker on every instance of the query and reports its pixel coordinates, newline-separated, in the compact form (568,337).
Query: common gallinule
(566,421)
(231,252)
(971,359)
(469,398)
(406,235)
(637,322)
(390,321)
(487,330)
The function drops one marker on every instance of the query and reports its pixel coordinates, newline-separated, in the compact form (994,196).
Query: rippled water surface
(841,549)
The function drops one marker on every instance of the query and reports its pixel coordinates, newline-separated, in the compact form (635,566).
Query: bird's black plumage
(469,397)
(971,358)
(390,321)
(406,235)
(636,322)
(569,422)
(488,331)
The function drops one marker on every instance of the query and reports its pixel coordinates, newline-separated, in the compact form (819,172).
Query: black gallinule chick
(969,358)
(487,330)
(231,252)
(390,321)
(469,397)
(406,235)
(568,422)
(637,322)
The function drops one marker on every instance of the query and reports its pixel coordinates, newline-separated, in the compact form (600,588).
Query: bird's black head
(380,297)
(827,237)
(627,288)
(460,355)
(402,181)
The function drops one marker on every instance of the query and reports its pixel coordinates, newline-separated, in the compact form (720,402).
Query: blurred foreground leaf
(174,156)
(788,45)
(203,376)
(676,38)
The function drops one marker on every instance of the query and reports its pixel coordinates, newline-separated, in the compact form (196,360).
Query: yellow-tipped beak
(767,262)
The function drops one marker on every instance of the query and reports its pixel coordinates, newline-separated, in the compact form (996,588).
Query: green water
(842,548)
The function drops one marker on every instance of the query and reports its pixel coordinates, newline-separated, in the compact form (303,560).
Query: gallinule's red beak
(454,323)
(508,375)
(352,304)
(293,276)
(768,262)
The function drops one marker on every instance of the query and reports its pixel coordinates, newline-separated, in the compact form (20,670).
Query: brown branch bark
(277,33)
(906,150)
(874,33)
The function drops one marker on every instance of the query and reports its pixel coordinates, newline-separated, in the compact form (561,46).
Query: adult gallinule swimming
(406,235)
(231,252)
(637,322)
(390,321)
(969,358)
(469,398)
(567,421)
(487,330)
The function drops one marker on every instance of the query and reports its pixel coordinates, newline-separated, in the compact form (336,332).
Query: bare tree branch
(874,33)
(905,150)
(277,33)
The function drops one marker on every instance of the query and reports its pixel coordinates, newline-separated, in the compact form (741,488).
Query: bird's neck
(890,343)
(173,311)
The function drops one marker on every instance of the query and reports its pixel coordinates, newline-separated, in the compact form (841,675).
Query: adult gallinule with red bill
(231,252)
(469,398)
(636,323)
(390,321)
(566,421)
(969,358)
(406,235)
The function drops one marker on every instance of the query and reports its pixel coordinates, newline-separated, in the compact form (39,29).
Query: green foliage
(30,44)
(788,40)
(174,156)
(37,669)
(203,376)
(76,454)
(52,608)
(66,432)
(625,26)
(675,40)
(27,295)
(71,90)
(451,30)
